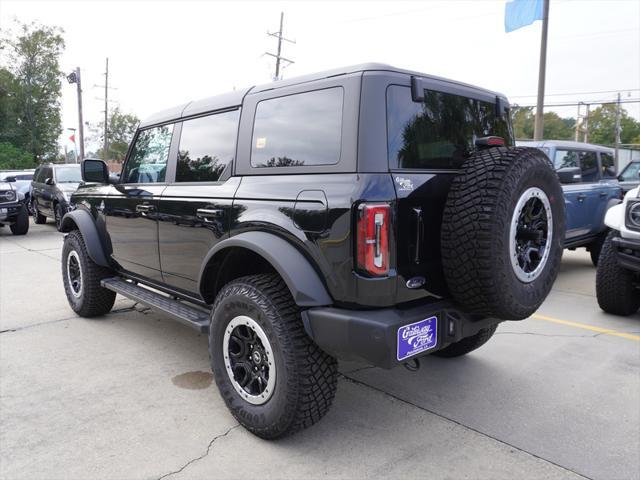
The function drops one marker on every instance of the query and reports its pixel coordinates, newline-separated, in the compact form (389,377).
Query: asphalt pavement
(130,395)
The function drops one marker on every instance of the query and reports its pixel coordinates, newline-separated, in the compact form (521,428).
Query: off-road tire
(468,344)
(595,248)
(475,235)
(58,214)
(615,288)
(306,378)
(38,218)
(21,225)
(94,300)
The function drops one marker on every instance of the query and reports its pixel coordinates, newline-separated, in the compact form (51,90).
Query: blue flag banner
(520,13)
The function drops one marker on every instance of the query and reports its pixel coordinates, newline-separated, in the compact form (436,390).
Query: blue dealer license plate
(417,337)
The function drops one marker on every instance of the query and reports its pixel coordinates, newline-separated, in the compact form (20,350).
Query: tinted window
(68,174)
(589,166)
(608,165)
(632,172)
(47,172)
(298,130)
(565,158)
(37,176)
(24,177)
(148,160)
(207,147)
(439,132)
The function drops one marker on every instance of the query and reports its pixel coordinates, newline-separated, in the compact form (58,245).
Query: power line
(575,104)
(580,93)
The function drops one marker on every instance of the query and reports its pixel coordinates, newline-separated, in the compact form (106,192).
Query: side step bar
(193,317)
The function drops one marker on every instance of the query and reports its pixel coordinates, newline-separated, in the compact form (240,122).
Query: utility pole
(278,56)
(539,122)
(106,109)
(618,115)
(74,77)
(577,135)
(586,124)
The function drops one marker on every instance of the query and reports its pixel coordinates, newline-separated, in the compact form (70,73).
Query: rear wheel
(502,232)
(21,226)
(615,286)
(468,344)
(595,248)
(273,378)
(81,278)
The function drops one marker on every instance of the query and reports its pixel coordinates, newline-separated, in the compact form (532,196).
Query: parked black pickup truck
(364,213)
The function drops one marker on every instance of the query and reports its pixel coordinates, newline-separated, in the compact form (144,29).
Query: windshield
(632,172)
(68,175)
(441,131)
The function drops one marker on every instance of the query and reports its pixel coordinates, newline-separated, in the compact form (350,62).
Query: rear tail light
(373,239)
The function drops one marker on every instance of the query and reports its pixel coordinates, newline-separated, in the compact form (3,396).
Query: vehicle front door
(46,191)
(195,209)
(131,208)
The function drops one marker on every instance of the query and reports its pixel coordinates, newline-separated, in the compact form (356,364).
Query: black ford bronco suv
(13,208)
(364,213)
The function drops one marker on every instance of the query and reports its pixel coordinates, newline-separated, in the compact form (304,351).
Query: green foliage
(122,127)
(13,158)
(555,127)
(602,126)
(30,87)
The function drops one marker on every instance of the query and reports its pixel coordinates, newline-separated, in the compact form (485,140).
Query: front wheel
(273,378)
(596,247)
(38,218)
(58,214)
(615,286)
(21,226)
(81,278)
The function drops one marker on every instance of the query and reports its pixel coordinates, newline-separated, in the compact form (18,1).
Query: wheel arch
(262,252)
(82,220)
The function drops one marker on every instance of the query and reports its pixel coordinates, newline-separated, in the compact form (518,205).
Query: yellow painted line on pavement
(584,326)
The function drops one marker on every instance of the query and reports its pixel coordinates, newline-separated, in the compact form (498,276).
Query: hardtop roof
(565,144)
(234,98)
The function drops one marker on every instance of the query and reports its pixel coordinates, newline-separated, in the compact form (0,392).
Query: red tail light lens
(373,239)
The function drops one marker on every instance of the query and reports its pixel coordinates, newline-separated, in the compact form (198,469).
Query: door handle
(208,213)
(145,208)
(581,197)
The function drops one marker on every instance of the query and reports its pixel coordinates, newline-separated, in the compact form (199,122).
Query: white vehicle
(618,276)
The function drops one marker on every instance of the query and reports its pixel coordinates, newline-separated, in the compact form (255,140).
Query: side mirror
(569,174)
(95,171)
(10,179)
(49,181)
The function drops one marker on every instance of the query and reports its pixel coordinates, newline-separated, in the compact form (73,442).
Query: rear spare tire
(502,232)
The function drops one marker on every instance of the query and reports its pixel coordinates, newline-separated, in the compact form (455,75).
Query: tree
(30,81)
(13,158)
(122,127)
(602,126)
(555,127)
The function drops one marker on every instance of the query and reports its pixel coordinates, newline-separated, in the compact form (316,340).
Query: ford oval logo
(416,282)
(8,194)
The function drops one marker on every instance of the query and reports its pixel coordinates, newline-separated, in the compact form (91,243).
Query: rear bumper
(378,337)
(627,253)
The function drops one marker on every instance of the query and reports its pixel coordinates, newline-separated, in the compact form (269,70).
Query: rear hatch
(429,136)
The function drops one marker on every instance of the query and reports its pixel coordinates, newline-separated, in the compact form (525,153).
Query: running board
(193,317)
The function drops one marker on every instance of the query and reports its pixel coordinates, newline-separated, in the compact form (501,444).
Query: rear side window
(608,165)
(589,166)
(207,147)
(565,158)
(439,132)
(298,130)
(148,160)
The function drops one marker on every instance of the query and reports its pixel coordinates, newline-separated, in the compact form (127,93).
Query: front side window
(148,160)
(631,173)
(439,132)
(589,166)
(207,147)
(298,130)
(608,165)
(68,175)
(565,158)
(47,172)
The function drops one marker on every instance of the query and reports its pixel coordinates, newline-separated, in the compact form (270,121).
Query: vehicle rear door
(595,198)
(575,195)
(196,207)
(131,208)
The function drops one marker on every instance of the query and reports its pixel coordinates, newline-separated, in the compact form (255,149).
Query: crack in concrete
(358,369)
(209,447)
(25,327)
(439,415)
(39,252)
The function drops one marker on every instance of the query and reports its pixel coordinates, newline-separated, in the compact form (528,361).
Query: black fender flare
(84,222)
(303,281)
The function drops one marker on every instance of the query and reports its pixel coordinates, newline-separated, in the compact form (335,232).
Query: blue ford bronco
(365,213)
(588,176)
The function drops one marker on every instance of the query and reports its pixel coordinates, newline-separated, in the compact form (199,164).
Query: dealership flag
(73,138)
(520,13)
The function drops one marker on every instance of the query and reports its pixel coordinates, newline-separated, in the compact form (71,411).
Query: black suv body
(346,214)
(13,209)
(51,189)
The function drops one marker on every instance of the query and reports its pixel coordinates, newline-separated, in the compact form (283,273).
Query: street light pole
(74,77)
(539,123)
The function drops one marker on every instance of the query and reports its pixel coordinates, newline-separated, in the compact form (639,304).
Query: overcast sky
(162,53)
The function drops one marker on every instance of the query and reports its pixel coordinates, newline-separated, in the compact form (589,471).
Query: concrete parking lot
(130,395)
